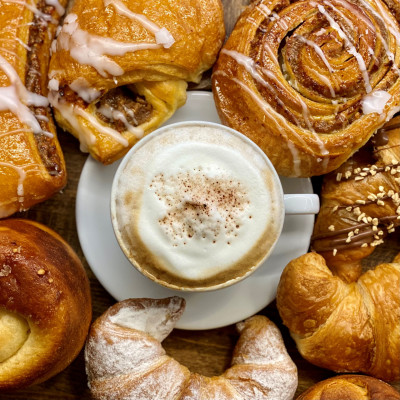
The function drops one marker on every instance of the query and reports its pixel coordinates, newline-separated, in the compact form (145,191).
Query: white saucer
(205,310)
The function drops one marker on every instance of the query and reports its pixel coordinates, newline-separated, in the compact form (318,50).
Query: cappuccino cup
(197,206)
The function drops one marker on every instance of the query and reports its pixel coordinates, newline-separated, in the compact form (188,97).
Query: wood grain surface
(206,352)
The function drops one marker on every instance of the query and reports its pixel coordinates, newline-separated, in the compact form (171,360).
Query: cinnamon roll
(310,81)
(31,162)
(120,70)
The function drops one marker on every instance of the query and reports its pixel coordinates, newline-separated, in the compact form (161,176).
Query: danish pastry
(31,161)
(110,86)
(124,358)
(45,304)
(360,204)
(309,81)
(357,387)
(344,327)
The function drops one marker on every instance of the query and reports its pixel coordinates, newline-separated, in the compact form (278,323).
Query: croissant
(309,81)
(360,204)
(32,166)
(45,304)
(112,85)
(357,387)
(344,327)
(124,358)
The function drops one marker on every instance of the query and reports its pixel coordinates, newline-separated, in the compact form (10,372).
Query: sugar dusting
(133,364)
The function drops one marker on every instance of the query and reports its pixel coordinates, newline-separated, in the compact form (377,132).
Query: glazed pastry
(309,81)
(360,204)
(45,304)
(31,162)
(125,359)
(110,86)
(351,387)
(344,327)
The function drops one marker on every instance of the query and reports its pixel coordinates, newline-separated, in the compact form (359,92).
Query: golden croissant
(120,70)
(309,81)
(344,327)
(45,304)
(125,359)
(360,204)
(32,166)
(358,387)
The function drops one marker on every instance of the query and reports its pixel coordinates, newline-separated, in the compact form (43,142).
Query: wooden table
(206,352)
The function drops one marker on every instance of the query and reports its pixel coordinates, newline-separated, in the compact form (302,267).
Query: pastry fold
(309,81)
(31,162)
(121,69)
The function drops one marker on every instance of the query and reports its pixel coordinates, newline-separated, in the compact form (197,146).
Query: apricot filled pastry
(121,69)
(31,162)
(360,204)
(344,327)
(309,81)
(45,304)
(125,359)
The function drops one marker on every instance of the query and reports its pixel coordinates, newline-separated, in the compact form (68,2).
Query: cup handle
(298,204)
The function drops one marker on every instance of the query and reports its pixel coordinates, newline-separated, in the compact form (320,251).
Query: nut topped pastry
(110,85)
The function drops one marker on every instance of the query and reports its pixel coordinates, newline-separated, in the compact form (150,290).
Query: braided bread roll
(110,86)
(344,327)
(124,358)
(360,204)
(309,81)
(32,165)
(45,304)
(350,387)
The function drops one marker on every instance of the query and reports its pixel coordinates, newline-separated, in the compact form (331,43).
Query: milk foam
(200,200)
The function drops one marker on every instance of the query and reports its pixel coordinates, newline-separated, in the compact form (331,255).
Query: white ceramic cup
(198,206)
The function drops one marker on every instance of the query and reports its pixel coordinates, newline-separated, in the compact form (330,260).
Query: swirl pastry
(344,327)
(31,162)
(360,204)
(351,387)
(110,86)
(309,81)
(45,305)
(124,358)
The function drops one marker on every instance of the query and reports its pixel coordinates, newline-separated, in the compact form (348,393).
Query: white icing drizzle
(349,46)
(24,45)
(53,84)
(32,7)
(83,89)
(93,50)
(327,82)
(116,115)
(317,49)
(22,175)
(16,98)
(375,102)
(58,7)
(162,35)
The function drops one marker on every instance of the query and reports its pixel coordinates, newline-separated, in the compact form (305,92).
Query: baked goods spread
(309,81)
(125,359)
(350,387)
(31,162)
(360,204)
(110,86)
(45,303)
(345,327)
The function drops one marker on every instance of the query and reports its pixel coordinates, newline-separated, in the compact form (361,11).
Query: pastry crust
(350,387)
(45,304)
(125,359)
(360,204)
(295,78)
(344,327)
(32,166)
(164,45)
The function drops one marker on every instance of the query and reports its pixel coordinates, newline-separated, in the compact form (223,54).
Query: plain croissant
(345,327)
(125,359)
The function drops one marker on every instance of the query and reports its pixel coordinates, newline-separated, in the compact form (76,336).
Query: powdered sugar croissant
(125,359)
